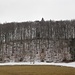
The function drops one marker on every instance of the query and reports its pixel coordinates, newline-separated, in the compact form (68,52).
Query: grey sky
(31,10)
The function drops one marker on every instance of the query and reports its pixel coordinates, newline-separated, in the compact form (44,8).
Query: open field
(36,70)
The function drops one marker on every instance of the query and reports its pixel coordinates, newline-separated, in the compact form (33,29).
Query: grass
(36,70)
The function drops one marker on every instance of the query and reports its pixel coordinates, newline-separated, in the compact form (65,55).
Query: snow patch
(72,64)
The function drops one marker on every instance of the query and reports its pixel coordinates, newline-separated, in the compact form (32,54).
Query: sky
(31,10)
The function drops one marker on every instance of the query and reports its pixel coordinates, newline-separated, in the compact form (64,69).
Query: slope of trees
(37,41)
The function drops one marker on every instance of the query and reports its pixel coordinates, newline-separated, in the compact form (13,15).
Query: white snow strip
(72,64)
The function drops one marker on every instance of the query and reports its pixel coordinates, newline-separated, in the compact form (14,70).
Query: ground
(36,70)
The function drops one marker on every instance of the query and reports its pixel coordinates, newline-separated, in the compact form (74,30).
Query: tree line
(29,35)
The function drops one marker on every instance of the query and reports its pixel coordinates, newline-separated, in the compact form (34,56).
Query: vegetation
(36,70)
(24,41)
(72,49)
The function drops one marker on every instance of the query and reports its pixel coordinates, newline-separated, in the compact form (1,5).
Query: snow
(72,64)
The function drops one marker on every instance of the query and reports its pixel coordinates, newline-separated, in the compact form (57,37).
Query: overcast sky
(31,10)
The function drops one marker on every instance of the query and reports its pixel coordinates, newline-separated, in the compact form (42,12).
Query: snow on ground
(72,64)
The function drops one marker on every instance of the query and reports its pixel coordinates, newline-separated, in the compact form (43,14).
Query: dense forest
(41,41)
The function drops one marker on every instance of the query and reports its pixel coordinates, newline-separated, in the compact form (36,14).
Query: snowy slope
(72,64)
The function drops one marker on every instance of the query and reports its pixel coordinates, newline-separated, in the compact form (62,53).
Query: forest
(38,41)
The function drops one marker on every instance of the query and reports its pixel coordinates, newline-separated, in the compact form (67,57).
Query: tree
(72,48)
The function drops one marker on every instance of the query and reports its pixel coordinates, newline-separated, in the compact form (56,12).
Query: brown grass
(36,70)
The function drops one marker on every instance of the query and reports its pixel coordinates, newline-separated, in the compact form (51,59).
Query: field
(36,70)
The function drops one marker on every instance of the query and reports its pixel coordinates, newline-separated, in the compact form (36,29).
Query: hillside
(38,41)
